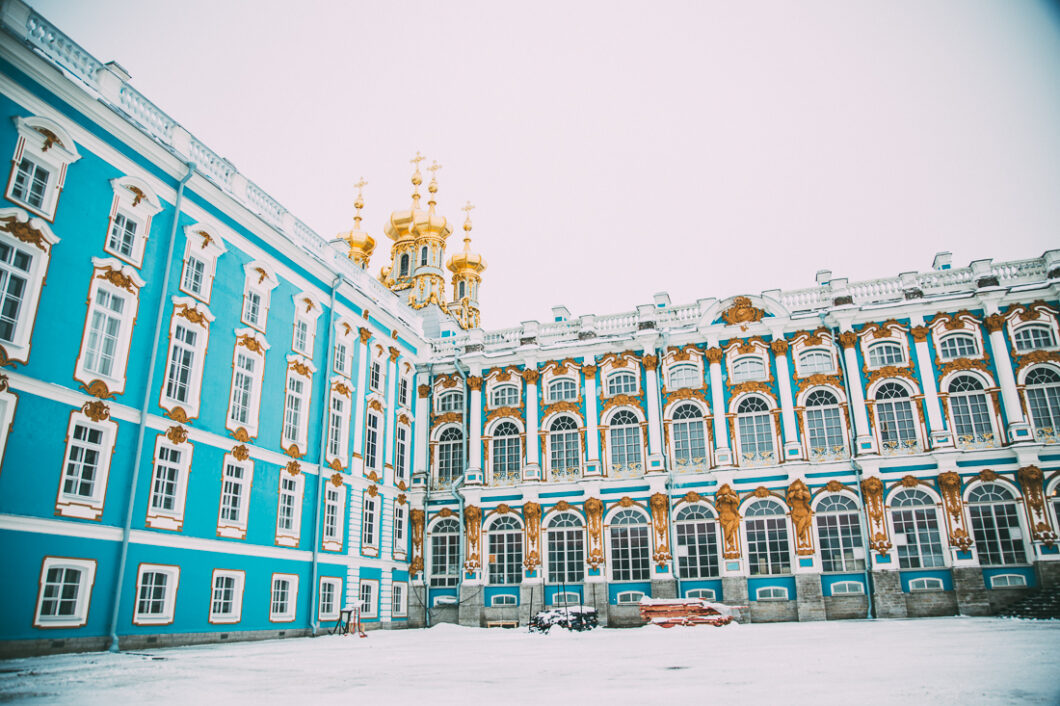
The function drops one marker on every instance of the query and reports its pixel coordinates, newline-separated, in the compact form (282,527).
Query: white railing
(143,111)
(64,51)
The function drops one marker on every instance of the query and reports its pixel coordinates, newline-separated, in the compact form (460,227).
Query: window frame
(55,151)
(512,401)
(614,388)
(759,456)
(34,238)
(158,517)
(260,280)
(238,577)
(870,348)
(203,243)
(290,614)
(79,506)
(951,338)
(400,530)
(505,551)
(1049,326)
(335,583)
(251,344)
(334,495)
(804,371)
(706,563)
(290,537)
(228,527)
(373,597)
(117,280)
(298,370)
(772,593)
(630,466)
(450,543)
(572,394)
(133,201)
(631,568)
(399,608)
(169,600)
(337,445)
(371,521)
(939,560)
(736,375)
(775,549)
(191,315)
(86,582)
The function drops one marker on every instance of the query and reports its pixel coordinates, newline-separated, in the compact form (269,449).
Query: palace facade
(216,424)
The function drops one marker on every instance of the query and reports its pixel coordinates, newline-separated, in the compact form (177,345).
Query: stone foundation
(971,592)
(846,607)
(809,599)
(887,595)
(1048,573)
(927,604)
(774,611)
(734,593)
(469,612)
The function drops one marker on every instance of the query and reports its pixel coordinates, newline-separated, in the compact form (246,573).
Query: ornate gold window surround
(260,279)
(176,438)
(32,235)
(251,343)
(136,202)
(194,316)
(203,243)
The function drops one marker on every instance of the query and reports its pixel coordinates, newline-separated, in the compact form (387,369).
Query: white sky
(622,148)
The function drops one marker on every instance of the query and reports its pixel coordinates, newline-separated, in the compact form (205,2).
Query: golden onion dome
(415,222)
(360,243)
(466,262)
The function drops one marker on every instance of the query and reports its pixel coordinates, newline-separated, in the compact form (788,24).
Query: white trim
(237,596)
(87,567)
(169,601)
(288,615)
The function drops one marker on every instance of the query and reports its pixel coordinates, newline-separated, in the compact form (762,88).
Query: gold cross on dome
(360,184)
(417,159)
(468,208)
(433,169)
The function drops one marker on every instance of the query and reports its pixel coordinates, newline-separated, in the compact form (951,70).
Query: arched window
(451,402)
(824,425)
(630,553)
(970,410)
(697,532)
(460,289)
(1029,338)
(566,548)
(690,442)
(767,538)
(995,525)
(1043,402)
(916,530)
(625,442)
(839,534)
(559,390)
(450,456)
(403,265)
(565,456)
(622,384)
(506,453)
(894,417)
(885,353)
(682,376)
(505,396)
(815,361)
(748,368)
(423,256)
(445,552)
(506,551)
(753,422)
(958,345)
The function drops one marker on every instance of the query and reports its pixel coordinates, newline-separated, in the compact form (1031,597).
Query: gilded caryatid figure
(360,243)
(467,270)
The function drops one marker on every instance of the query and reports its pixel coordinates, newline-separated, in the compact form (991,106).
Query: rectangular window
(332,509)
(401,454)
(368,522)
(181,363)
(31,183)
(242,388)
(292,414)
(284,597)
(122,238)
(167,476)
(156,590)
(341,353)
(403,392)
(236,479)
(252,308)
(104,331)
(399,529)
(232,494)
(330,589)
(64,592)
(226,603)
(83,459)
(301,336)
(194,276)
(367,594)
(375,379)
(371,442)
(337,428)
(288,497)
(399,600)
(15,264)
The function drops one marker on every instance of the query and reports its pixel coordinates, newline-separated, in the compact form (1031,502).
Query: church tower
(467,270)
(419,246)
(360,243)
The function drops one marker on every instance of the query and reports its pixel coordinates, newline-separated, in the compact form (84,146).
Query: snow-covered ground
(907,662)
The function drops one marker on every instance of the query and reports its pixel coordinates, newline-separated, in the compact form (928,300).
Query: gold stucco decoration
(660,505)
(177,434)
(294,468)
(798,498)
(779,347)
(241,453)
(728,504)
(531,376)
(651,362)
(119,280)
(1030,478)
(364,333)
(241,434)
(594,511)
(626,501)
(950,485)
(834,486)
(473,528)
(424,390)
(532,515)
(994,322)
(713,355)
(416,565)
(910,481)
(872,491)
(96,410)
(741,311)
(24,232)
(336,480)
(474,383)
(987,475)
(848,339)
(98,388)
(503,509)
(250,343)
(293,451)
(177,414)
(589,371)
(693,497)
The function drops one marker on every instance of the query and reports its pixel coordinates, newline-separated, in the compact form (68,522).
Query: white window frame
(56,152)
(926,583)
(288,615)
(401,460)
(169,599)
(500,600)
(903,350)
(371,519)
(38,244)
(107,273)
(404,395)
(400,530)
(613,377)
(814,350)
(203,243)
(300,437)
(87,567)
(705,594)
(239,577)
(290,537)
(161,518)
(91,507)
(135,202)
(336,594)
(506,387)
(564,598)
(235,528)
(683,368)
(399,602)
(247,340)
(373,597)
(629,597)
(772,593)
(1020,583)
(953,335)
(441,406)
(306,312)
(259,280)
(848,588)
(335,496)
(373,441)
(1045,322)
(8,404)
(191,315)
(342,438)
(736,376)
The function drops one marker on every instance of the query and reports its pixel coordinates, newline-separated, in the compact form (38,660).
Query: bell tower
(467,270)
(360,243)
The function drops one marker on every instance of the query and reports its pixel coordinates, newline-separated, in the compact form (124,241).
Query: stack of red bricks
(685,611)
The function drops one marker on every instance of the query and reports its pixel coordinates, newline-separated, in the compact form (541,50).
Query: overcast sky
(618,149)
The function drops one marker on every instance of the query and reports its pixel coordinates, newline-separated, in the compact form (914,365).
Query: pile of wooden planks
(685,611)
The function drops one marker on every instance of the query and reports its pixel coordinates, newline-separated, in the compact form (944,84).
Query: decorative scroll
(472,527)
(872,490)
(619,401)
(779,346)
(176,434)
(250,343)
(848,339)
(1030,478)
(98,388)
(659,504)
(532,515)
(802,517)
(241,453)
(728,504)
(594,510)
(950,485)
(25,232)
(742,312)
(416,566)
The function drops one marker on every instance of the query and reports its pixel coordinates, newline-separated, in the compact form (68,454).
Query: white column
(390,414)
(865,443)
(360,396)
(940,436)
(1018,429)
(792,449)
(592,423)
(533,464)
(722,451)
(651,391)
(421,430)
(474,455)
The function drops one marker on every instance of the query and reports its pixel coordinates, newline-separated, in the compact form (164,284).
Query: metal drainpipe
(426,504)
(314,624)
(127,529)
(660,352)
(455,488)
(858,472)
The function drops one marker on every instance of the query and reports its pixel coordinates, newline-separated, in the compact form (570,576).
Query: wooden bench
(502,623)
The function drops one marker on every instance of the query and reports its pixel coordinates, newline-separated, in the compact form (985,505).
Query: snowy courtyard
(924,661)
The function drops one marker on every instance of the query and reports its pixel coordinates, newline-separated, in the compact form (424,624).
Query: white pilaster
(532,471)
(360,396)
(865,443)
(792,448)
(474,389)
(722,450)
(652,392)
(390,415)
(592,422)
(940,436)
(421,431)
(1018,429)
